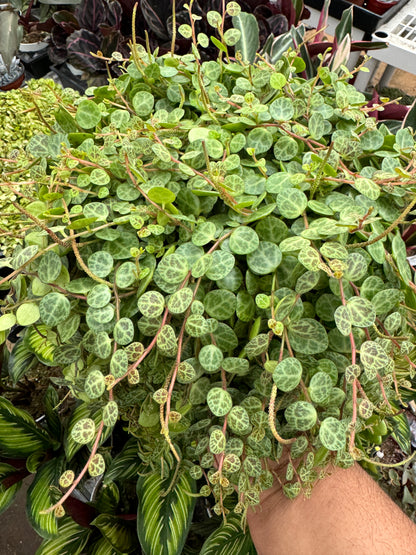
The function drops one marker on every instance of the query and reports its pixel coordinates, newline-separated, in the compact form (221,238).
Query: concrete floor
(17,536)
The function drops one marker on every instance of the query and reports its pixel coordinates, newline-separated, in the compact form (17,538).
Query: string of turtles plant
(218,266)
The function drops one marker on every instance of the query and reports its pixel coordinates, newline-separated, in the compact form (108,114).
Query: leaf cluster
(217,271)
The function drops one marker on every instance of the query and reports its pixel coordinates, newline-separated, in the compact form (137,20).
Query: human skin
(347,514)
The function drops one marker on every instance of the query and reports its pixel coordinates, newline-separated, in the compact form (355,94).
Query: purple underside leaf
(114,15)
(316,48)
(57,55)
(156,14)
(80,45)
(91,13)
(64,17)
(357,46)
(278,24)
(59,37)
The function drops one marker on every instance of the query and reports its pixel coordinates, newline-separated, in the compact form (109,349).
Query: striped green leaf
(21,360)
(39,498)
(229,539)
(7,495)
(163,520)
(19,435)
(401,431)
(50,402)
(121,534)
(125,465)
(102,547)
(71,540)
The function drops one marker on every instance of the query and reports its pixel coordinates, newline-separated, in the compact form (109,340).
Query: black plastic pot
(68,79)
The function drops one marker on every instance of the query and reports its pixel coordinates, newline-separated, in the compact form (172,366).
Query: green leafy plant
(216,273)
(23,113)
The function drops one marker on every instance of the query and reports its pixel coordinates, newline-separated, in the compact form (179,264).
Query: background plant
(217,272)
(23,113)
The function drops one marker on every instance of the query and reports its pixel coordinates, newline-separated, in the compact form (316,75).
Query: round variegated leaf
(99,296)
(308,336)
(265,259)
(244,240)
(180,300)
(66,478)
(151,304)
(126,275)
(320,387)
(220,304)
(186,372)
(356,267)
(260,139)
(49,267)
(236,365)
(385,300)
(196,326)
(343,320)
(287,374)
(124,331)
(94,385)
(306,282)
(217,442)
(301,415)
(310,258)
(54,308)
(231,463)
(173,268)
(100,263)
(334,250)
(291,203)
(282,109)
(392,322)
(202,265)
(373,356)
(83,431)
(332,434)
(119,363)
(219,401)
(221,265)
(97,465)
(238,420)
(203,233)
(210,358)
(361,312)
(166,341)
(110,413)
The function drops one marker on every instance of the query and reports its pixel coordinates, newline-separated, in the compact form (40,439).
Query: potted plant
(11,71)
(216,272)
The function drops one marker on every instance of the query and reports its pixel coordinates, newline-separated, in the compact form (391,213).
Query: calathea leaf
(20,361)
(118,532)
(39,498)
(249,40)
(163,520)
(71,540)
(229,539)
(79,46)
(7,494)
(156,17)
(19,435)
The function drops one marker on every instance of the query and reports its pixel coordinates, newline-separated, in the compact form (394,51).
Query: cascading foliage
(216,265)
